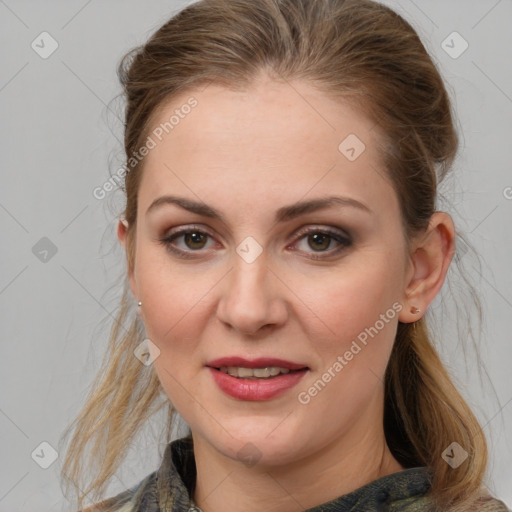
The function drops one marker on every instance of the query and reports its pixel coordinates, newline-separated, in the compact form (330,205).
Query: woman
(283,247)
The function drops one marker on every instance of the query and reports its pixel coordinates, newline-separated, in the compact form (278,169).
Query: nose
(252,298)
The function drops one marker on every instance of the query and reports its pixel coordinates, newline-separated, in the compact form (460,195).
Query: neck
(339,468)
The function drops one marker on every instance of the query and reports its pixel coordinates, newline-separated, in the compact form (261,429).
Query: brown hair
(355,50)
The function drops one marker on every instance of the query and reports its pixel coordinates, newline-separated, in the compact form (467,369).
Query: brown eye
(321,240)
(193,240)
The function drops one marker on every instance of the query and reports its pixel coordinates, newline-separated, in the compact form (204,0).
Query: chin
(253,446)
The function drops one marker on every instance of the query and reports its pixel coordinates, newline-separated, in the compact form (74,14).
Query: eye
(322,239)
(193,237)
(319,239)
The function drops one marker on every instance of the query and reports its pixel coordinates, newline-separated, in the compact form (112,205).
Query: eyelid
(180,231)
(186,228)
(323,229)
(308,228)
(343,238)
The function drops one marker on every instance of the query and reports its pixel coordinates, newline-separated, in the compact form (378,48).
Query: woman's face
(311,293)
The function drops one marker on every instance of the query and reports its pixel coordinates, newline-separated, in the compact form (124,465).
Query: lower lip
(256,389)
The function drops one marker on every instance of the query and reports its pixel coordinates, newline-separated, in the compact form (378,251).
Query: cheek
(358,312)
(172,308)
(352,298)
(362,316)
(172,295)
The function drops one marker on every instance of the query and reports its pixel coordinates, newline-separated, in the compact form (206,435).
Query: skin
(247,154)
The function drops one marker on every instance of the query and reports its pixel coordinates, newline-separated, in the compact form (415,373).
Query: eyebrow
(283,214)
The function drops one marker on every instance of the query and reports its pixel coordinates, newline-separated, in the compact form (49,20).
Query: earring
(139,304)
(415,310)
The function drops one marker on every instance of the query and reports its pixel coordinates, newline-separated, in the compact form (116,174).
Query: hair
(357,51)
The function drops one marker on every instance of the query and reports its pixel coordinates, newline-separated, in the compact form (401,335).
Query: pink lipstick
(257,379)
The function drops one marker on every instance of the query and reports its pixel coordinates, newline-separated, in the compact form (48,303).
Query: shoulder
(487,503)
(142,497)
(108,506)
(123,502)
(483,503)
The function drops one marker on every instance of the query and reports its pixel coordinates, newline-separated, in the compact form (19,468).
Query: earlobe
(122,230)
(431,259)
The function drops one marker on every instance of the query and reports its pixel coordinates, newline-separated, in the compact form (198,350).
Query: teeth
(245,372)
(254,373)
(232,371)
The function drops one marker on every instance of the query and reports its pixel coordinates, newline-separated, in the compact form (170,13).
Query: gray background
(60,140)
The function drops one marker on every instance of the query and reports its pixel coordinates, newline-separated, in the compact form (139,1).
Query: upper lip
(260,362)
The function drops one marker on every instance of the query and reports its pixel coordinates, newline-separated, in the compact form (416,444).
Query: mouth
(267,372)
(258,379)
(261,368)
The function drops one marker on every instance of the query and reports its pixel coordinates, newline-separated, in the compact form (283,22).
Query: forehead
(295,111)
(272,141)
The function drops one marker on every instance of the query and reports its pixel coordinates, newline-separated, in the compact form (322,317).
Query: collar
(404,490)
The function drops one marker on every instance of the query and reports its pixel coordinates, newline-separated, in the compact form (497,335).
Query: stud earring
(139,304)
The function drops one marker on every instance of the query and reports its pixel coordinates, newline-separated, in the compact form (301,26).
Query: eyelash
(343,240)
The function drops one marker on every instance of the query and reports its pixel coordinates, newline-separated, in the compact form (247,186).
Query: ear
(122,230)
(431,257)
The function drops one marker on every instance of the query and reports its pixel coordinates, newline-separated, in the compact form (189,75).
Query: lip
(256,389)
